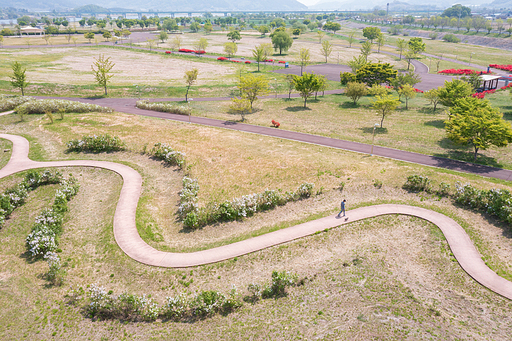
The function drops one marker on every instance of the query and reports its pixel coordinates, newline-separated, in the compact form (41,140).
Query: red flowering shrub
(281,62)
(275,124)
(247,62)
(506,86)
(222,58)
(199,52)
(481,95)
(268,60)
(461,72)
(236,61)
(186,50)
(418,90)
(501,67)
(168,52)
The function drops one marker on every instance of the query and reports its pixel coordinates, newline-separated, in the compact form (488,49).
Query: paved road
(129,240)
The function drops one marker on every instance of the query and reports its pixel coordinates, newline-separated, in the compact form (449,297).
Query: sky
(308,2)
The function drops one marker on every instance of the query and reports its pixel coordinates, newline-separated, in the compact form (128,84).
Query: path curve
(129,240)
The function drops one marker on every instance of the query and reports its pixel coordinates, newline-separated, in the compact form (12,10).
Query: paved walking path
(129,240)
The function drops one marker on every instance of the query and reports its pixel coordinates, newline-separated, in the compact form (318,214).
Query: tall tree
(305,85)
(234,36)
(19,77)
(326,49)
(252,86)
(475,122)
(371,33)
(454,90)
(190,78)
(385,105)
(281,41)
(366,49)
(304,58)
(400,46)
(230,49)
(259,54)
(201,44)
(102,71)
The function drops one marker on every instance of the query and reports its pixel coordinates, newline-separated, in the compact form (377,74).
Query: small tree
(234,36)
(320,35)
(304,58)
(176,43)
(408,92)
(416,45)
(195,26)
(433,97)
(107,35)
(371,33)
(230,49)
(208,27)
(474,122)
(240,106)
(380,41)
(400,46)
(355,91)
(321,84)
(291,84)
(385,106)
(326,49)
(305,85)
(296,32)
(19,77)
(351,38)
(252,86)
(281,41)
(87,35)
(201,44)
(366,49)
(163,36)
(151,43)
(259,54)
(452,91)
(101,72)
(190,78)
(376,73)
(263,29)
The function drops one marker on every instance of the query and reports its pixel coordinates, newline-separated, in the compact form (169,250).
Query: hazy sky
(308,2)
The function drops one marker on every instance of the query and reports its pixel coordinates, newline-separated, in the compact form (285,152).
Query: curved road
(128,239)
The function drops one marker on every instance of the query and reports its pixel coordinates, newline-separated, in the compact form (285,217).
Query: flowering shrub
(417,183)
(42,106)
(481,95)
(199,52)
(176,307)
(418,90)
(222,58)
(506,86)
(247,62)
(186,50)
(10,102)
(163,152)
(281,62)
(268,60)
(96,144)
(501,67)
(275,124)
(55,272)
(168,52)
(163,107)
(236,61)
(461,72)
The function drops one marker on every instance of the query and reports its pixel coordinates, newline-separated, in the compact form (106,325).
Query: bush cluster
(100,304)
(164,152)
(96,144)
(347,77)
(238,208)
(451,38)
(163,107)
(43,106)
(418,183)
(10,102)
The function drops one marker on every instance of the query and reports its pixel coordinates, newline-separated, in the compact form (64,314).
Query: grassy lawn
(387,277)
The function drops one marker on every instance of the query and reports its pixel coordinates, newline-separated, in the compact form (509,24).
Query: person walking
(342,208)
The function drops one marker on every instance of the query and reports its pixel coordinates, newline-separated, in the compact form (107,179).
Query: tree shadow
(96,97)
(349,105)
(369,130)
(435,123)
(468,156)
(428,110)
(297,109)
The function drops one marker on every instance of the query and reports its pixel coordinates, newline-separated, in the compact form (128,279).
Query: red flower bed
(482,94)
(268,60)
(236,61)
(501,67)
(506,86)
(275,124)
(186,50)
(168,52)
(281,62)
(200,52)
(461,72)
(222,58)
(247,62)
(418,90)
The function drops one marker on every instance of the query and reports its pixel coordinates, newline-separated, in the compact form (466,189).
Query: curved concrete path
(129,240)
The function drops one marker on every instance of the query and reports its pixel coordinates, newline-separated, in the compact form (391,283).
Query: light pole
(137,89)
(373,137)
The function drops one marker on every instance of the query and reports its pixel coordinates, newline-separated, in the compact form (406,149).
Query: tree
(88,35)
(416,45)
(326,49)
(371,33)
(475,122)
(195,26)
(351,38)
(457,11)
(304,58)
(305,85)
(263,29)
(296,32)
(321,84)
(281,41)
(240,106)
(234,36)
(101,72)
(1,40)
(402,79)
(355,91)
(190,78)
(107,35)
(321,35)
(433,97)
(259,54)
(126,33)
(19,77)
(176,43)
(400,46)
(366,49)
(290,83)
(208,27)
(151,43)
(332,26)
(201,44)
(252,86)
(380,41)
(376,73)
(454,90)
(230,49)
(385,106)
(356,63)
(163,36)
(408,92)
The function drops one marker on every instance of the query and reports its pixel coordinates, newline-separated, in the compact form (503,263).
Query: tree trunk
(22,92)
(186,95)
(305,101)
(382,121)
(476,151)
(105,90)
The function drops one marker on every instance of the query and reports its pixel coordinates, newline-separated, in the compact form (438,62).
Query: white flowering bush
(55,272)
(280,280)
(11,102)
(100,302)
(41,241)
(417,183)
(188,197)
(43,106)
(176,307)
(305,190)
(163,107)
(164,152)
(96,144)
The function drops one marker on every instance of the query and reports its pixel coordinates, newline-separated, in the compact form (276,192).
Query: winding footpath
(129,240)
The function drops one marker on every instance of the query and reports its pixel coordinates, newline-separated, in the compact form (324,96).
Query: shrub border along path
(129,240)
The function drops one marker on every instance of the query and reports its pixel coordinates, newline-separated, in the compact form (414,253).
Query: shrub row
(163,107)
(100,304)
(43,238)
(59,105)
(238,208)
(10,102)
(164,152)
(96,144)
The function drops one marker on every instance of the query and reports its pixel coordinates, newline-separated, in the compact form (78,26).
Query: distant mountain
(160,5)
(353,5)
